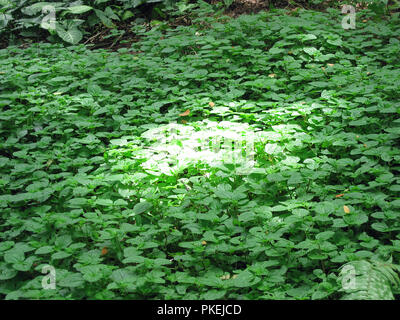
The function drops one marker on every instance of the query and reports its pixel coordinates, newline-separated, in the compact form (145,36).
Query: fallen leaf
(272,75)
(330,64)
(104,251)
(186,113)
(211,104)
(339,195)
(346,209)
(204,243)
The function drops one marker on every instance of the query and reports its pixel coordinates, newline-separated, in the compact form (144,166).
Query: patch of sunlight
(174,147)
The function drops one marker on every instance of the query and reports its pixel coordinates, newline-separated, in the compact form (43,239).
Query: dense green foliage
(63,20)
(84,188)
(71,20)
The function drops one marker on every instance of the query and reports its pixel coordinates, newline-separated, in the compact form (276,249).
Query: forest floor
(229,158)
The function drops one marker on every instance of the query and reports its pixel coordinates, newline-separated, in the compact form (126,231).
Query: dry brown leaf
(211,104)
(104,251)
(186,113)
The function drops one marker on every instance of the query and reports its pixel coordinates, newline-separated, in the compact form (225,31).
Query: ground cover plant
(92,185)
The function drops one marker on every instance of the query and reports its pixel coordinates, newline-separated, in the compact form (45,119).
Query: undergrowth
(88,187)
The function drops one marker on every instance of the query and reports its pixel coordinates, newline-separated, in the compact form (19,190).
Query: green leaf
(104,19)
(273,148)
(72,36)
(79,9)
(24,265)
(71,280)
(324,235)
(214,294)
(60,255)
(104,202)
(14,256)
(92,273)
(123,276)
(6,272)
(311,51)
(142,207)
(44,250)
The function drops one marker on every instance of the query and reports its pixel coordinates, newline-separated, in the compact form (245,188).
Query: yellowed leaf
(346,209)
(186,113)
(104,251)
